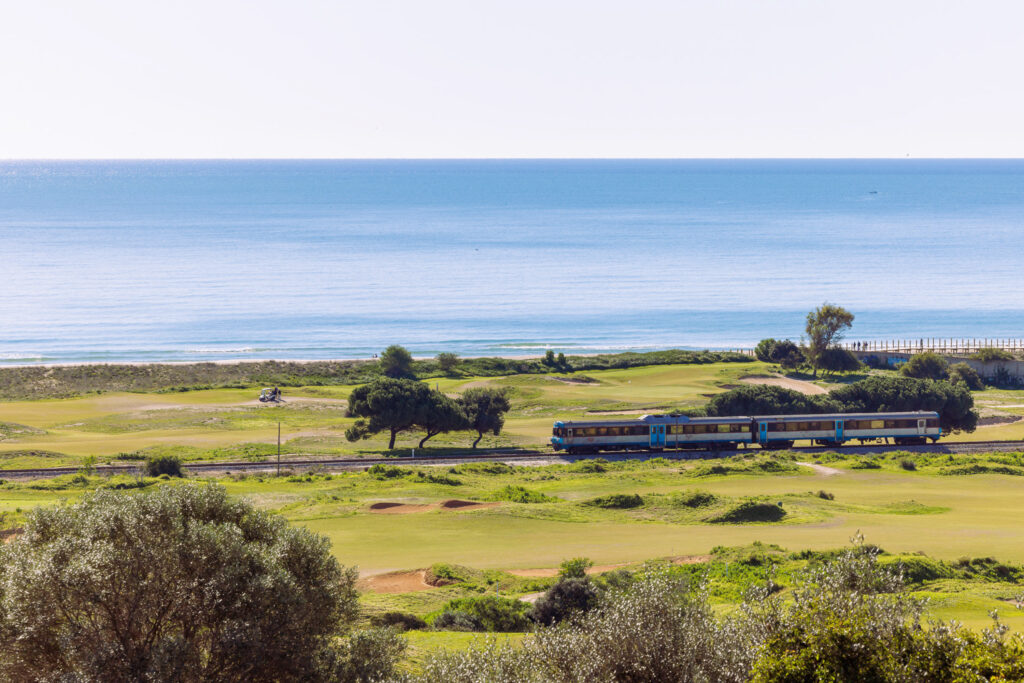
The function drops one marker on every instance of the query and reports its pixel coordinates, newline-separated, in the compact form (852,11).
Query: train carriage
(660,432)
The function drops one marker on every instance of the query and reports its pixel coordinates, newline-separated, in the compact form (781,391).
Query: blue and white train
(660,432)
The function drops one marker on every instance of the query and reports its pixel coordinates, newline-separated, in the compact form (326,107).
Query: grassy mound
(750,511)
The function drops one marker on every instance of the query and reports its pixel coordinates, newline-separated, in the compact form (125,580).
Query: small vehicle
(270,395)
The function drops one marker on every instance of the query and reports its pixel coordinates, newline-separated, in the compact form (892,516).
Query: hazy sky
(480,78)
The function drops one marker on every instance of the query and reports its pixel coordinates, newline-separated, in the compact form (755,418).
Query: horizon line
(499,158)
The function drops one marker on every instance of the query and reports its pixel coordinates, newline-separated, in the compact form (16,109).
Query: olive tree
(181,584)
(825,326)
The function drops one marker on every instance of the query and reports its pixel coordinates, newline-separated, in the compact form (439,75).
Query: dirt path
(395,582)
(785,382)
(821,469)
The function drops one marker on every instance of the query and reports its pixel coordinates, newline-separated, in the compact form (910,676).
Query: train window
(878,424)
(723,428)
(738,428)
(792,426)
(932,422)
(699,429)
(890,424)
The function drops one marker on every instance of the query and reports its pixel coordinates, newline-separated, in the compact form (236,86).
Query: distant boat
(873,192)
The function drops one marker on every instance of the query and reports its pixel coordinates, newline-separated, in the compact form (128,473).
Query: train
(773,432)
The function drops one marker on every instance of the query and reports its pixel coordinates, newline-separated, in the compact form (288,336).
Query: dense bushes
(617,501)
(953,402)
(164,464)
(692,499)
(486,613)
(519,494)
(846,619)
(926,365)
(750,511)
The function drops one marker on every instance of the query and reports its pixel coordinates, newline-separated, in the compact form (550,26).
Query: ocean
(108,261)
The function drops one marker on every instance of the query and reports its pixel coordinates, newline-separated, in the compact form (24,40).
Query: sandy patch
(690,559)
(821,469)
(455,504)
(395,582)
(400,508)
(392,508)
(785,382)
(531,597)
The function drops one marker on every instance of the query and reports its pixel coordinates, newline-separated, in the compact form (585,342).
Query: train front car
(781,431)
(592,436)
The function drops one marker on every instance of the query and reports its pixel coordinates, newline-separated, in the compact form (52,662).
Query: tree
(396,362)
(386,404)
(765,399)
(953,402)
(962,373)
(549,358)
(788,355)
(164,464)
(568,596)
(839,360)
(447,362)
(764,349)
(926,365)
(179,584)
(485,409)
(438,415)
(825,327)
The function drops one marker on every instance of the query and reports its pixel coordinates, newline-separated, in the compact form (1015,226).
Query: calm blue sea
(190,260)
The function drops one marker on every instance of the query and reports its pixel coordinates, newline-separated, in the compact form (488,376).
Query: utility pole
(279,449)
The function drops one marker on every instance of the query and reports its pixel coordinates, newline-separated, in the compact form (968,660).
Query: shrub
(483,468)
(457,621)
(750,511)
(518,494)
(962,373)
(908,464)
(569,596)
(692,499)
(988,355)
(181,584)
(382,472)
(447,362)
(617,501)
(590,466)
(926,365)
(441,574)
(825,495)
(838,360)
(865,465)
(575,568)
(493,613)
(401,621)
(164,464)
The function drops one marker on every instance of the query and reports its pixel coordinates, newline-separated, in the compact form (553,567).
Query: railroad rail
(513,457)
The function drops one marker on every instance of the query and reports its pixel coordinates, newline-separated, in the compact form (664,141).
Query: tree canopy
(438,415)
(953,402)
(386,404)
(825,326)
(179,584)
(485,409)
(396,362)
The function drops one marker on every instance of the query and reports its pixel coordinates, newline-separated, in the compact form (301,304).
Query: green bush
(926,365)
(908,464)
(570,596)
(457,621)
(518,494)
(750,511)
(692,499)
(865,465)
(164,464)
(825,495)
(503,615)
(590,466)
(988,355)
(575,568)
(381,471)
(483,468)
(401,621)
(962,373)
(617,501)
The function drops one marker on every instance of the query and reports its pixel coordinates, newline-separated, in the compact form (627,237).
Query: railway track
(510,457)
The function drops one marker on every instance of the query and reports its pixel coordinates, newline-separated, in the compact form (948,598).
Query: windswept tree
(439,415)
(396,362)
(181,584)
(825,327)
(386,404)
(485,409)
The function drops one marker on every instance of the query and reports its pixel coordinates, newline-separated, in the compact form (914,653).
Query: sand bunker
(785,382)
(391,508)
(395,582)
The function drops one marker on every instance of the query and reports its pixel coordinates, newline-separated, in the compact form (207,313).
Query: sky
(490,78)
